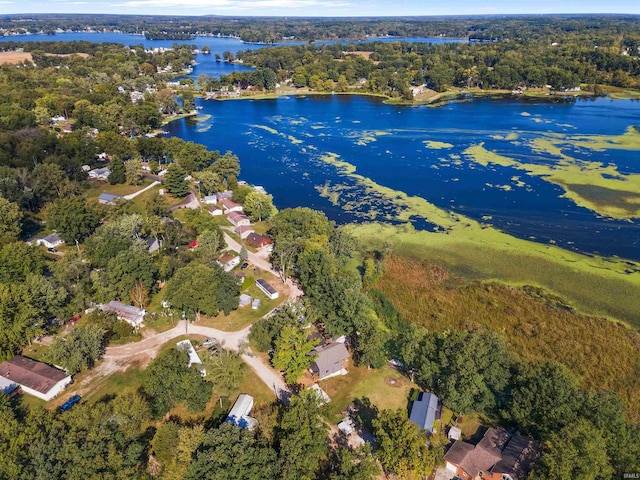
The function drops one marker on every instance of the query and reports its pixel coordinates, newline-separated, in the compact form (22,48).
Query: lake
(283,145)
(501,162)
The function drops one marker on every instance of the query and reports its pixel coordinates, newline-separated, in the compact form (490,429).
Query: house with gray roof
(239,413)
(50,241)
(109,198)
(330,360)
(99,174)
(132,315)
(425,410)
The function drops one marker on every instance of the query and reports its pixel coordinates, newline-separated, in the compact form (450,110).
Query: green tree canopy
(292,350)
(117,171)
(10,221)
(79,350)
(175,180)
(72,218)
(259,206)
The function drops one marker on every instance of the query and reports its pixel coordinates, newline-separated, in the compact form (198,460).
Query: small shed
(255,304)
(244,300)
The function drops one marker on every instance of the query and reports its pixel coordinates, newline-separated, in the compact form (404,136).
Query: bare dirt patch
(14,58)
(83,55)
(393,382)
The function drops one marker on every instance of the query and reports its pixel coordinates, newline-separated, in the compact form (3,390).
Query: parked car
(244,265)
(210,341)
(68,405)
(52,250)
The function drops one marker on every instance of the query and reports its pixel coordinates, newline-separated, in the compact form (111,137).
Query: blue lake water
(280,143)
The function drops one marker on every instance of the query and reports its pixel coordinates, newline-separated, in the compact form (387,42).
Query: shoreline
(444,98)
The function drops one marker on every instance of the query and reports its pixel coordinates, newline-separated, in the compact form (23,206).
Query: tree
(127,269)
(244,255)
(79,350)
(210,181)
(228,165)
(202,289)
(226,369)
(49,182)
(175,180)
(139,295)
(188,102)
(266,331)
(402,447)
(72,218)
(10,221)
(545,396)
(575,452)
(229,453)
(301,437)
(259,206)
(117,171)
(291,354)
(357,464)
(157,205)
(133,171)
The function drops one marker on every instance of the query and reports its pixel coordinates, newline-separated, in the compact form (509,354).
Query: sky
(326,8)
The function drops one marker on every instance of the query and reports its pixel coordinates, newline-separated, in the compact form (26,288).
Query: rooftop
(264,284)
(37,376)
(424,411)
(330,354)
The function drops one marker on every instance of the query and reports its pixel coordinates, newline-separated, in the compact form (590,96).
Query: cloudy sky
(318,7)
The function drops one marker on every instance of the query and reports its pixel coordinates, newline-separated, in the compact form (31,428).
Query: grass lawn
(242,317)
(385,387)
(35,351)
(98,187)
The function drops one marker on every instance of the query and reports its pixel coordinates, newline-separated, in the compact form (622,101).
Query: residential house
(425,410)
(35,378)
(268,290)
(50,241)
(99,174)
(498,456)
(229,205)
(194,359)
(211,199)
(258,241)
(132,315)
(109,198)
(331,360)
(215,210)
(244,231)
(153,243)
(238,219)
(8,387)
(226,194)
(239,413)
(228,261)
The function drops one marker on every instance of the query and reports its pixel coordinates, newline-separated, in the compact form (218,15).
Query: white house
(239,413)
(211,199)
(132,315)
(228,261)
(186,346)
(229,205)
(50,241)
(238,219)
(153,243)
(215,210)
(268,290)
(99,174)
(35,378)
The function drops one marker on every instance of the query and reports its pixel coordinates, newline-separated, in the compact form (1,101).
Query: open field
(537,325)
(14,58)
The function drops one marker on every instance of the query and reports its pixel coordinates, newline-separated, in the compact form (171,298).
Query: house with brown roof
(238,219)
(244,231)
(330,360)
(215,210)
(227,261)
(258,241)
(498,456)
(229,205)
(35,378)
